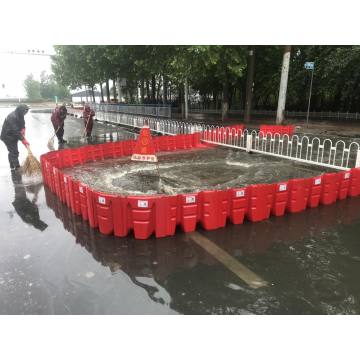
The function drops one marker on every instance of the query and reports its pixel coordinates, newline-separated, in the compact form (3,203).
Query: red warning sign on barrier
(144,149)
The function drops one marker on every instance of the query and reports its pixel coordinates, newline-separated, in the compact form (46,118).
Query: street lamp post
(309,66)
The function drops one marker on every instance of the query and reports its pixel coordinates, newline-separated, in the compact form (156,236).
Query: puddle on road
(188,171)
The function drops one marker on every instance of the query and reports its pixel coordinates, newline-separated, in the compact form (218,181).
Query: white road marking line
(228,261)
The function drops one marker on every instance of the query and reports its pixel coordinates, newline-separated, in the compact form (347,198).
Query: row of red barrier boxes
(159,215)
(219,133)
(277,129)
(112,150)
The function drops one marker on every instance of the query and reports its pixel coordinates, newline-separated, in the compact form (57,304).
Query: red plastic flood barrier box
(160,215)
(238,204)
(277,129)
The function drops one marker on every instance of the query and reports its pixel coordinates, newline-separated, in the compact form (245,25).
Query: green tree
(49,88)
(32,88)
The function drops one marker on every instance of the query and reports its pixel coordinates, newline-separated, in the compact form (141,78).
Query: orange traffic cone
(144,149)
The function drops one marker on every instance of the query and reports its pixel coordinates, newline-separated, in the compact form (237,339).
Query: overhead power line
(36,52)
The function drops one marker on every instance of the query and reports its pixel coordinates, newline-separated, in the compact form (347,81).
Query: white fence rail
(146,110)
(162,126)
(314,151)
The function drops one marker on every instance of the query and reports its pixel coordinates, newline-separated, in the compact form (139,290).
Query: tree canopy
(216,74)
(32,88)
(45,89)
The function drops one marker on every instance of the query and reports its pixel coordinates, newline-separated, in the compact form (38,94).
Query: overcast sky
(15,68)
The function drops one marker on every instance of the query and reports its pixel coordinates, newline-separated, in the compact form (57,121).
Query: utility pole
(249,83)
(309,66)
(283,85)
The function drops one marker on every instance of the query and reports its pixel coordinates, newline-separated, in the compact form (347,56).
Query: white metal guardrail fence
(336,154)
(163,111)
(314,151)
(162,126)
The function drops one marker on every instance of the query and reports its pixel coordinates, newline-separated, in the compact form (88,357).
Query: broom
(50,143)
(31,166)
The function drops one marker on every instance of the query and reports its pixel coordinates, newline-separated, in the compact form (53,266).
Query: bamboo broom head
(31,166)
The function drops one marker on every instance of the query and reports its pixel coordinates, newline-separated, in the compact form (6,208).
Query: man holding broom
(13,130)
(57,119)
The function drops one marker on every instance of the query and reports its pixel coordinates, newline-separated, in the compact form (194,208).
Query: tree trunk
(142,90)
(153,89)
(225,100)
(131,95)
(181,102)
(283,85)
(118,85)
(158,91)
(93,94)
(186,99)
(107,91)
(114,90)
(102,93)
(147,90)
(249,83)
(231,96)
(165,89)
(215,100)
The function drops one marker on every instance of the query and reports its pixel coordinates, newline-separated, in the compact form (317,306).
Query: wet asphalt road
(51,262)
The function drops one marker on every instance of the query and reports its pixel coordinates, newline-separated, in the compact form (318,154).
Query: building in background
(85,96)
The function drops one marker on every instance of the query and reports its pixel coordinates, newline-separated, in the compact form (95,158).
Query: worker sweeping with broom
(13,130)
(88,115)
(57,118)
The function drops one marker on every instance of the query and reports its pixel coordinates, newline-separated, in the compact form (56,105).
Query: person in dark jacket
(88,116)
(57,118)
(13,130)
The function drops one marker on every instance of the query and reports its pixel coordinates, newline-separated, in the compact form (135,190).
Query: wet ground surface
(188,171)
(51,262)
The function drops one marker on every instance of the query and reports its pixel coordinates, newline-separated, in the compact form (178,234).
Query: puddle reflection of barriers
(161,214)
(161,258)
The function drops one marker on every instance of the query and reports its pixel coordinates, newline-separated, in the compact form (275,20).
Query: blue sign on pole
(309,65)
